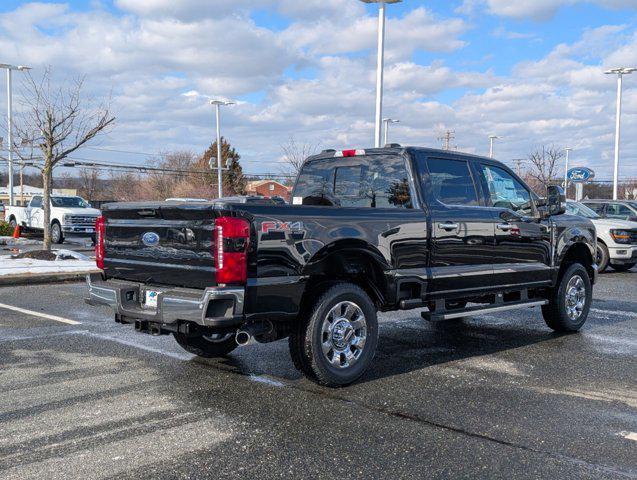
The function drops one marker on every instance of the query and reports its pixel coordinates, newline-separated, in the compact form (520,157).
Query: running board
(438,317)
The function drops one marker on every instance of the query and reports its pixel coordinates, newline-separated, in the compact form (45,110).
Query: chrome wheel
(575,297)
(343,334)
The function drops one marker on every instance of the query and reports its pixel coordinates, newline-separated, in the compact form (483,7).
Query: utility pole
(387,121)
(491,139)
(568,151)
(447,138)
(518,165)
(9,69)
(620,72)
(217,104)
(380,66)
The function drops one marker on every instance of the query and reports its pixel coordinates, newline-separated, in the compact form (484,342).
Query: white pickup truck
(69,216)
(616,238)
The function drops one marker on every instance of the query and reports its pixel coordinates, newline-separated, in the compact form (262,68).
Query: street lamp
(380,65)
(620,72)
(568,150)
(387,121)
(9,69)
(218,104)
(491,139)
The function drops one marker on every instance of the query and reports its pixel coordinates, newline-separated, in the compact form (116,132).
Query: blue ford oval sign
(580,174)
(150,239)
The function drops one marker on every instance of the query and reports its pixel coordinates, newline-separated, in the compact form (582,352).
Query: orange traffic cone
(16,231)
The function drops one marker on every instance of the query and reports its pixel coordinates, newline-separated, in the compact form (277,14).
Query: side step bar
(448,315)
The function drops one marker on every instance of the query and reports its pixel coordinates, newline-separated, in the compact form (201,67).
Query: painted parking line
(40,314)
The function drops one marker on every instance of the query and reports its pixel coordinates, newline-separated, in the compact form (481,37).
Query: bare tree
(58,120)
(545,166)
(90,181)
(295,154)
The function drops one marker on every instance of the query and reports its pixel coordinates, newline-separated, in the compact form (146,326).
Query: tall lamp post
(380,65)
(568,150)
(491,139)
(9,69)
(218,104)
(387,121)
(620,72)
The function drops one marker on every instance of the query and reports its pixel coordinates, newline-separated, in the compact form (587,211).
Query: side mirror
(555,200)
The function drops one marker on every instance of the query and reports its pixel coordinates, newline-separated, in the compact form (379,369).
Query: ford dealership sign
(580,174)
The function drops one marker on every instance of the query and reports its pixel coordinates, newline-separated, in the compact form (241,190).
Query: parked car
(368,230)
(70,215)
(187,200)
(254,199)
(616,239)
(620,209)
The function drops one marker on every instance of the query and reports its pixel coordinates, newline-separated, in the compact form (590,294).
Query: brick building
(268,188)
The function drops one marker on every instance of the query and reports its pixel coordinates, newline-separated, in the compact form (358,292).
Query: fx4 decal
(267,227)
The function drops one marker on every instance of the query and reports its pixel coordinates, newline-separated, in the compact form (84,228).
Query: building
(23,195)
(268,188)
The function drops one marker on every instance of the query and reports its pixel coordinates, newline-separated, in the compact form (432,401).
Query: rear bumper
(212,307)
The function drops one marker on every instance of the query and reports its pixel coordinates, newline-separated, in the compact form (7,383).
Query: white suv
(616,239)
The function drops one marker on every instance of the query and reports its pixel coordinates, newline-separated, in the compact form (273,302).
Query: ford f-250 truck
(367,231)
(70,215)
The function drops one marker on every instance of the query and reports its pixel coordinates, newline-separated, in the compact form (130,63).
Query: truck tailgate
(161,243)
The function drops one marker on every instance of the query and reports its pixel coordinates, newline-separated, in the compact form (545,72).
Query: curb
(39,278)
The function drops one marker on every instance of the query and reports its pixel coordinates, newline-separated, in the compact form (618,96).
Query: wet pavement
(496,396)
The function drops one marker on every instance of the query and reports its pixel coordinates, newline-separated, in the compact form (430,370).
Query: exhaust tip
(243,338)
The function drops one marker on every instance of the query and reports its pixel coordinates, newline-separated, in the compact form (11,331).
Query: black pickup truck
(366,231)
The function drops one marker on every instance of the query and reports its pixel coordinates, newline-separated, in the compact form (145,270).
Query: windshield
(69,202)
(579,209)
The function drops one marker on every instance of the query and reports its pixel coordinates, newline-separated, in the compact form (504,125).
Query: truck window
(596,207)
(451,182)
(36,202)
(505,191)
(377,181)
(617,210)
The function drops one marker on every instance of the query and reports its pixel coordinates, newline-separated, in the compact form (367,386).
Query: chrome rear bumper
(212,307)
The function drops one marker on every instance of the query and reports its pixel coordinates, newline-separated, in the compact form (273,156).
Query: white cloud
(535,9)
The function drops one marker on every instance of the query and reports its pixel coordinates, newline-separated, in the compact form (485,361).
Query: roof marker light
(349,153)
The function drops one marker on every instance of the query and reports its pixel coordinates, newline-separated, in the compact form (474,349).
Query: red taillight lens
(100,230)
(232,236)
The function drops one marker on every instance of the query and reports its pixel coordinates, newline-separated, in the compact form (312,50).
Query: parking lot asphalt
(495,396)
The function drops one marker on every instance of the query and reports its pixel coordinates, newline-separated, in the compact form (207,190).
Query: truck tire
(212,346)
(622,267)
(56,233)
(570,301)
(337,343)
(603,257)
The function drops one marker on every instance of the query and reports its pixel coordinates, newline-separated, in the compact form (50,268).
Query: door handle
(448,226)
(505,227)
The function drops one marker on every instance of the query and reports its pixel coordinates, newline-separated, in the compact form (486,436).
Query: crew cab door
(522,246)
(35,214)
(461,246)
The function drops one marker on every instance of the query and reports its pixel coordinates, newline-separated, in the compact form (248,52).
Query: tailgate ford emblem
(150,239)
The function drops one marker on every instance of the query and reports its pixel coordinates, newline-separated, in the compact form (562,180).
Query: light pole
(217,104)
(620,72)
(387,121)
(380,65)
(491,139)
(9,69)
(568,150)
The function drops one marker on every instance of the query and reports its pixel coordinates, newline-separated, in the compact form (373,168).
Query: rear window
(377,181)
(451,182)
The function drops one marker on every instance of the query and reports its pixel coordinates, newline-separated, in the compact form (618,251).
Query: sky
(529,71)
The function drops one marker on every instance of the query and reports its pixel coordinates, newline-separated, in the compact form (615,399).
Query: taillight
(232,236)
(100,230)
